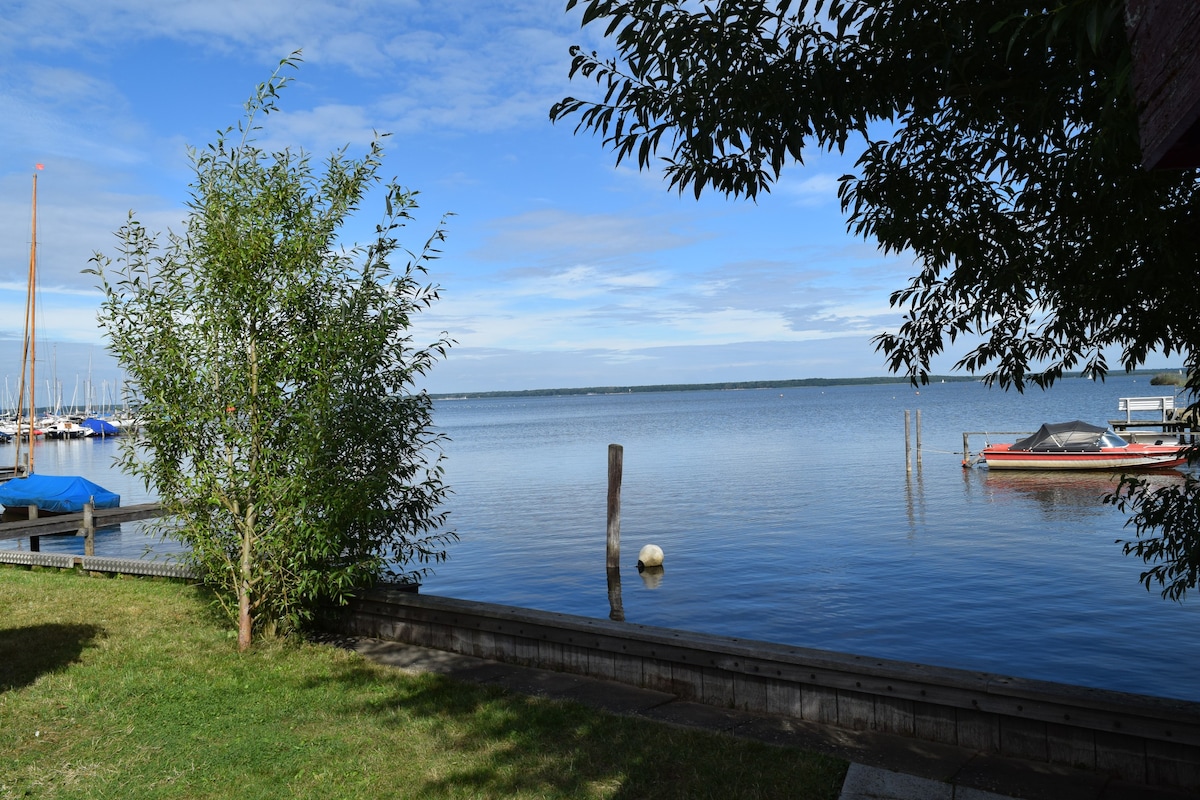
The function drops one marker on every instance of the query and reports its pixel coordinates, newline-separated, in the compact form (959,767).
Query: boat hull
(1132,457)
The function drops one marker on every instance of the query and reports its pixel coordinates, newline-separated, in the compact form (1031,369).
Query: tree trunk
(249,530)
(245,618)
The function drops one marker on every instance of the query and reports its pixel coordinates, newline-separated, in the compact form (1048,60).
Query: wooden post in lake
(918,440)
(907,442)
(89,527)
(616,457)
(35,542)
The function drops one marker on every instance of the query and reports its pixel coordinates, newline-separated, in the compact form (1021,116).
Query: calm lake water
(786,515)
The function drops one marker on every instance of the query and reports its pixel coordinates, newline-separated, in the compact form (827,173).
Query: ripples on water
(787,516)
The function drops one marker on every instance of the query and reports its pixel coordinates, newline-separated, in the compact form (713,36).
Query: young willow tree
(275,372)
(998,145)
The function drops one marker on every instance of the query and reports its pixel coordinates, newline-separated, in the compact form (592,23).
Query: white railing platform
(1163,405)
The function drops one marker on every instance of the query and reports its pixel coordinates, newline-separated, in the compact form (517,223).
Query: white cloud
(551,233)
(817,189)
(555,250)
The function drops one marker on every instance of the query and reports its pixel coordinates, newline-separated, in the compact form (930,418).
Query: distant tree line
(726,386)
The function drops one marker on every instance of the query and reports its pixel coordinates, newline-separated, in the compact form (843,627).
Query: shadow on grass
(29,652)
(520,745)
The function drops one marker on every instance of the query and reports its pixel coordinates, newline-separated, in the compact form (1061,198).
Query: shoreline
(797,383)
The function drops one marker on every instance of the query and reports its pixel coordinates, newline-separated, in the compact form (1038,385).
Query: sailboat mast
(33,324)
(29,351)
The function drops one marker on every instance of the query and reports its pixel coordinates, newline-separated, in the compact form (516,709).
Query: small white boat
(1078,445)
(60,427)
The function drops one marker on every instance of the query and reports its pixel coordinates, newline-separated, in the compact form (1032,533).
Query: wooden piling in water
(616,455)
(89,527)
(918,440)
(616,458)
(907,443)
(35,543)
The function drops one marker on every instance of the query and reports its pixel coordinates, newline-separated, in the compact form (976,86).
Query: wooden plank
(855,710)
(896,679)
(1069,745)
(894,715)
(820,705)
(395,629)
(1024,738)
(687,682)
(733,655)
(574,659)
(656,675)
(717,688)
(462,640)
(750,693)
(480,644)
(785,699)
(1124,756)
(602,665)
(70,524)
(978,730)
(504,649)
(628,670)
(528,651)
(1164,719)
(1172,765)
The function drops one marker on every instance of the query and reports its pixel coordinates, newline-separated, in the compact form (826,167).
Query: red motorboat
(1078,445)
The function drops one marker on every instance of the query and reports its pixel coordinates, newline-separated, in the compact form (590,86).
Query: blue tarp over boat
(100,427)
(59,493)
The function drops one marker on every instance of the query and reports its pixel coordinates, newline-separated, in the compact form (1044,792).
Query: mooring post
(907,443)
(918,439)
(616,457)
(89,527)
(966,448)
(616,608)
(35,542)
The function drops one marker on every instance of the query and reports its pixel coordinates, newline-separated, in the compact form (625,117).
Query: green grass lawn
(133,689)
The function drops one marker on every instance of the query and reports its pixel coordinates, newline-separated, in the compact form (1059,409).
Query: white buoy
(650,556)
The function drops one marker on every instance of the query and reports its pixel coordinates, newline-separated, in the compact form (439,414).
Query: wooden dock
(1166,420)
(75,524)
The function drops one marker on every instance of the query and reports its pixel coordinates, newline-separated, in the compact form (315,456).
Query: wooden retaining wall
(1144,739)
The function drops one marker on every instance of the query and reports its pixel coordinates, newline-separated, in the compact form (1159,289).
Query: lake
(787,515)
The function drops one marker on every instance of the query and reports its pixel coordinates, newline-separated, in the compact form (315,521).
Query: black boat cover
(1074,435)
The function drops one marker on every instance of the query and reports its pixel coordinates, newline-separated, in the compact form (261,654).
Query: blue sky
(559,270)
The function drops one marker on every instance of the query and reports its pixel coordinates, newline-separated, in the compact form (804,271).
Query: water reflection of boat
(1078,446)
(1066,488)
